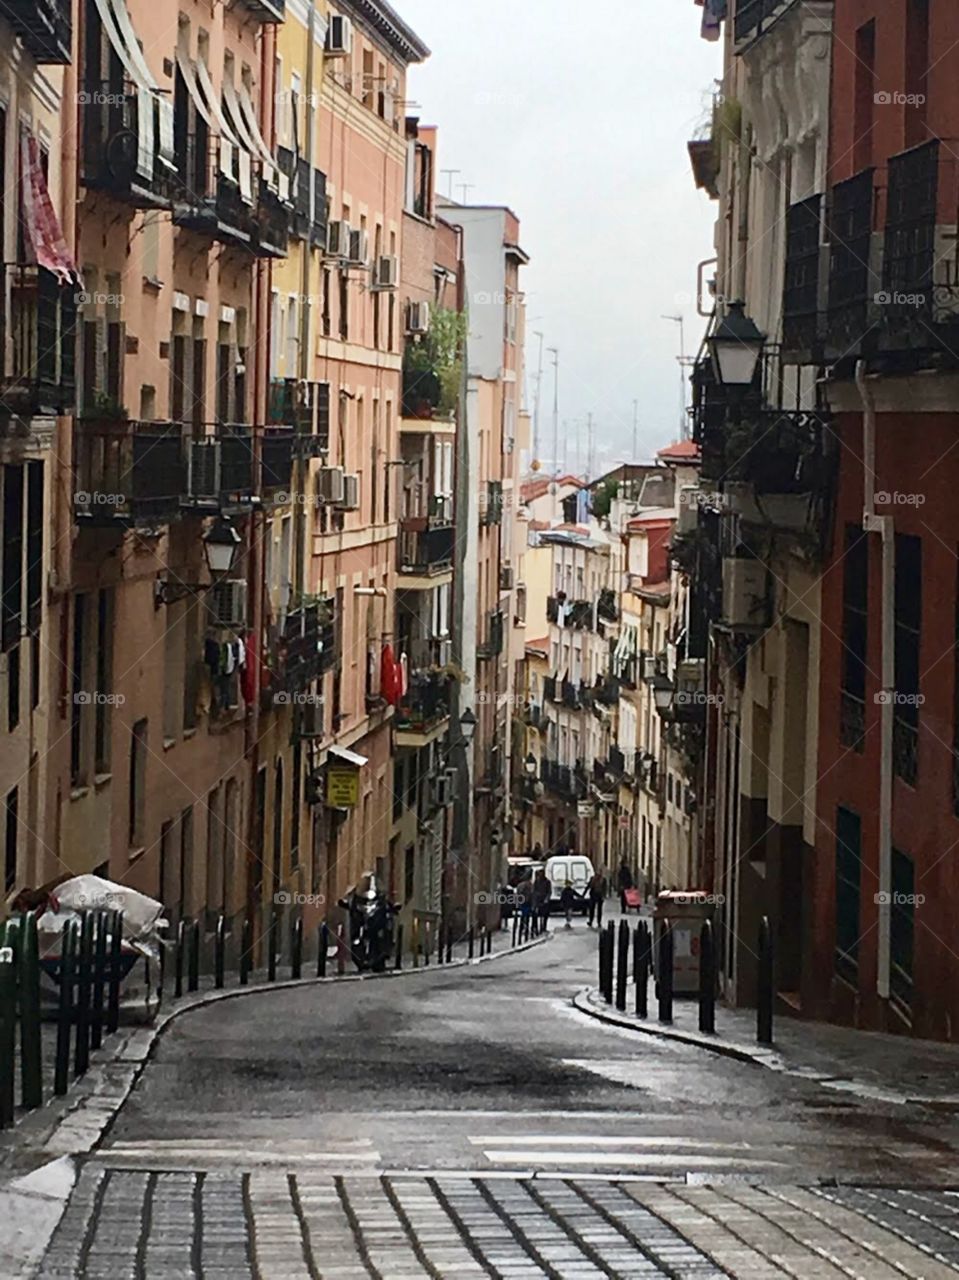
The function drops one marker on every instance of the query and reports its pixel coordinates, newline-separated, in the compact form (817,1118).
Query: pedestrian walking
(596,896)
(542,891)
(524,898)
(567,900)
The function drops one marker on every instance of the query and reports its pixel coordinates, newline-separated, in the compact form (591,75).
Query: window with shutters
(344,305)
(136,819)
(178,378)
(198,398)
(224,375)
(102,711)
(326,319)
(11,556)
(11,825)
(34,560)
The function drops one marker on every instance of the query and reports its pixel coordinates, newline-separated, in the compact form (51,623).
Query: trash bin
(685,909)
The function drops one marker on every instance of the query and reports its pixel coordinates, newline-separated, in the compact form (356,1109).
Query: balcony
(549,689)
(607,606)
(568,782)
(38,321)
(491,645)
(571,695)
(423,713)
(209,202)
(154,472)
(853,280)
(803,287)
(606,692)
(109,111)
(306,648)
(424,510)
(425,556)
(273,217)
(491,505)
(272,11)
(276,461)
(44,26)
(755,17)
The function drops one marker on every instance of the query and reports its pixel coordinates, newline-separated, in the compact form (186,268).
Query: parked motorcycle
(371,924)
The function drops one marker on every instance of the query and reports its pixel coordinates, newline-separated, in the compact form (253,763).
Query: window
(214,857)
(902,927)
(409,872)
(34,565)
(908,632)
(13,688)
(137,784)
(865,96)
(104,682)
(855,636)
(296,797)
(917,70)
(11,823)
(198,412)
(344,305)
(848,870)
(326,319)
(78,693)
(11,563)
(277,825)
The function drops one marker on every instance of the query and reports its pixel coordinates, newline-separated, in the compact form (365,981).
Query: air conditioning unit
(506,577)
(418,317)
(688,517)
(338,239)
(351,493)
(329,484)
(359,247)
(386,272)
(444,788)
(744,593)
(311,719)
(227,603)
(339,35)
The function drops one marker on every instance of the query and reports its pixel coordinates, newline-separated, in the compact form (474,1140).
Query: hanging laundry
(714,11)
(404,675)
(389,683)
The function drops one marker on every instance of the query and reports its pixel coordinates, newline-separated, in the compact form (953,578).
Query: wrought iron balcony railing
(753,17)
(306,648)
(802,303)
(426,551)
(491,645)
(853,280)
(426,702)
(273,221)
(38,325)
(44,26)
(110,160)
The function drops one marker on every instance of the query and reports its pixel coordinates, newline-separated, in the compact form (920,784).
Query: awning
(41,225)
(348,757)
(116,23)
(146,82)
(242,116)
(228,139)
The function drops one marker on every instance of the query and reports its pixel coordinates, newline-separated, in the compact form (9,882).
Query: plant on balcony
(432,367)
(105,408)
(603,496)
(777,456)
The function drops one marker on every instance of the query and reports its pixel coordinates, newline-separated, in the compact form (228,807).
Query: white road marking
(633,1159)
(588,1140)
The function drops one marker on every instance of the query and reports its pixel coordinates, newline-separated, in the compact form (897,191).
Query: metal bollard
(765,986)
(322,949)
(115,971)
(440,945)
(469,943)
(8,1024)
(707,979)
(178,966)
(84,983)
(398,962)
(194,970)
(219,949)
(99,977)
(641,940)
(416,942)
(271,944)
(67,968)
(610,958)
(31,1065)
(515,927)
(296,949)
(449,944)
(340,951)
(622,965)
(665,973)
(246,952)
(427,937)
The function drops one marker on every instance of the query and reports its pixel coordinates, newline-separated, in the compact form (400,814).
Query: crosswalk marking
(628,1159)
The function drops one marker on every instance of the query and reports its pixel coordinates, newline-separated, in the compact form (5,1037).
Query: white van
(576,868)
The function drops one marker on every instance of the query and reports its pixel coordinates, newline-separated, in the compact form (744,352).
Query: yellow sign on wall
(342,788)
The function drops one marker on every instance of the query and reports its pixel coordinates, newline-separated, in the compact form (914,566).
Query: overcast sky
(577,117)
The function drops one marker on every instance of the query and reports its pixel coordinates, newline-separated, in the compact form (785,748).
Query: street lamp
(220,545)
(468,725)
(664,692)
(530,765)
(736,347)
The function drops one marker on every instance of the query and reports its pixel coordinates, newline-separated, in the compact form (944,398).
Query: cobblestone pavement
(275,1224)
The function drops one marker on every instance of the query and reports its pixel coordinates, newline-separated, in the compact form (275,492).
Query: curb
(767,1058)
(39,1198)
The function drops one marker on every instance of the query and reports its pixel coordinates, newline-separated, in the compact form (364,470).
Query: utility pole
(536,402)
(554,352)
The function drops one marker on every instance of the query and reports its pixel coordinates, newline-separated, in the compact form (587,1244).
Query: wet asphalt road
(406,1126)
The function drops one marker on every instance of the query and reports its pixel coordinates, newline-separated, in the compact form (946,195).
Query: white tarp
(143,920)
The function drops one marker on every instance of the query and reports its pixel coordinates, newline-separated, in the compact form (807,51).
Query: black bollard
(99,976)
(31,1065)
(469,943)
(622,965)
(296,949)
(8,1024)
(665,975)
(115,970)
(449,944)
(642,970)
(66,970)
(440,945)
(178,966)
(246,952)
(707,979)
(610,960)
(398,963)
(765,985)
(84,984)
(323,947)
(194,970)
(515,926)
(219,948)
(271,943)
(601,960)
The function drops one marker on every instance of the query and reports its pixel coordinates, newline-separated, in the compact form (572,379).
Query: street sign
(342,788)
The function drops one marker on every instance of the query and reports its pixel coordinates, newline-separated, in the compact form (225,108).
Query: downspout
(304,354)
(883,525)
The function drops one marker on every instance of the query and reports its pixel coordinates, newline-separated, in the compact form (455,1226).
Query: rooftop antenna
(682,376)
(450,173)
(465,187)
(554,352)
(536,401)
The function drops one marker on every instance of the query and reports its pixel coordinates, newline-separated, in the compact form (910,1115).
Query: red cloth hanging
(389,684)
(248,674)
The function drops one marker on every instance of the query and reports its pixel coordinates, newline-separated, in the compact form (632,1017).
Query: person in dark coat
(624,879)
(567,900)
(596,896)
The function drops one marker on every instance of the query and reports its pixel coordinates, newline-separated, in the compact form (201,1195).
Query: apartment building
(755,550)
(37,321)
(880,896)
(488,457)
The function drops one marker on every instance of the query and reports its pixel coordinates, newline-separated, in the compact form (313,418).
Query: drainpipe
(883,525)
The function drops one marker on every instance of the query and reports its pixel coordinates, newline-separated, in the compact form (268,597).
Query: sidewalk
(868,1064)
